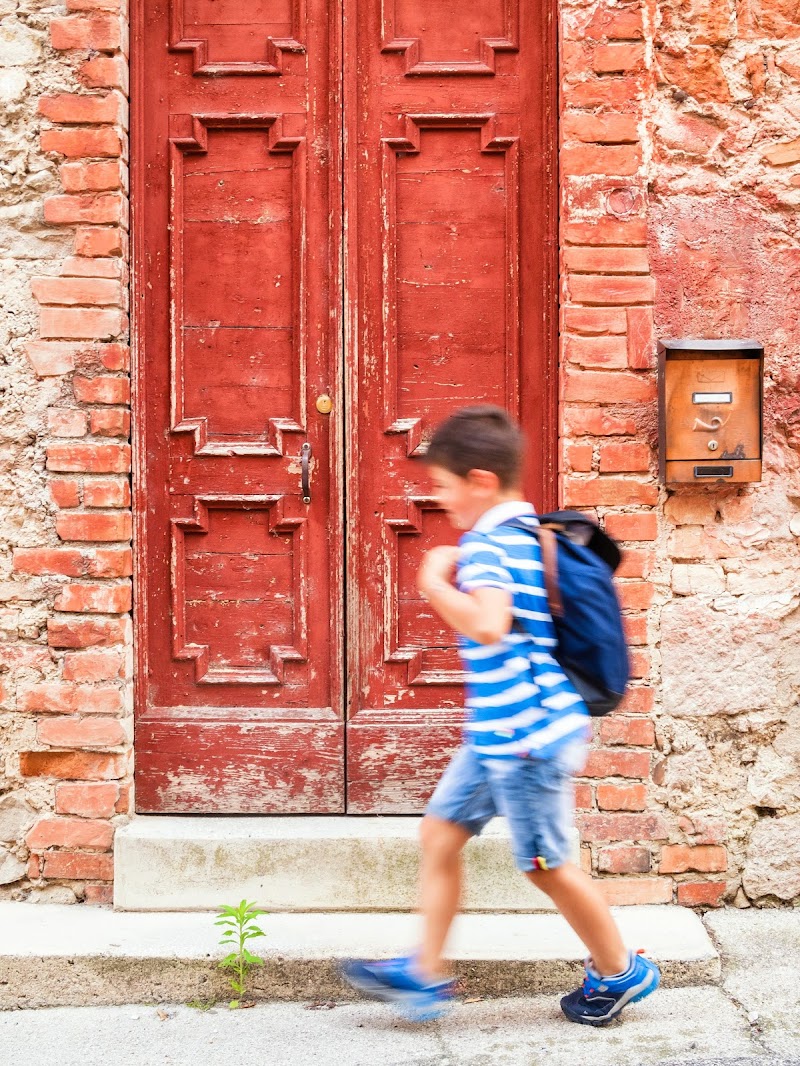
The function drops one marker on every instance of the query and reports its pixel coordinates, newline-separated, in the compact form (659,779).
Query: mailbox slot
(710,395)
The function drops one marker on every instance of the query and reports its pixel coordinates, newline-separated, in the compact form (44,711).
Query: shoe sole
(643,990)
(414,1007)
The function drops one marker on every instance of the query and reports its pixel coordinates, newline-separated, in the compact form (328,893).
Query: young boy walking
(525,734)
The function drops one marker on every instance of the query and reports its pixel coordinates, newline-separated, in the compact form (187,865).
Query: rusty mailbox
(710,410)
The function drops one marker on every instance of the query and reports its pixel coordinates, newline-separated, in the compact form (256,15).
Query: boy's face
(465,498)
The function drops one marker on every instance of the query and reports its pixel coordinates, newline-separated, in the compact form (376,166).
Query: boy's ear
(484,480)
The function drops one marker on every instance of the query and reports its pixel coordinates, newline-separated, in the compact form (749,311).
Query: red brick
(617,764)
(97,599)
(65,493)
(623,861)
(635,628)
(632,891)
(77,291)
(78,266)
(49,359)
(96,5)
(65,632)
(624,456)
(99,208)
(106,492)
(600,129)
(109,562)
(98,895)
(617,159)
(583,796)
(63,561)
(705,829)
(610,492)
(70,833)
(70,108)
(34,867)
(636,563)
(632,526)
(608,352)
(629,232)
(68,866)
(603,386)
(91,177)
(85,322)
(102,389)
(586,860)
(115,357)
(96,142)
(617,58)
(622,798)
(101,33)
(579,456)
(105,72)
(110,422)
(73,765)
(613,93)
(93,666)
(641,338)
(595,320)
(618,730)
(82,733)
(604,289)
(95,526)
(95,241)
(55,697)
(639,699)
(67,422)
(124,803)
(89,458)
(635,595)
(595,422)
(87,801)
(606,259)
(600,827)
(640,662)
(705,858)
(616,23)
(702,894)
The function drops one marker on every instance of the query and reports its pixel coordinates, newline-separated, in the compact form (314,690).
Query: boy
(525,735)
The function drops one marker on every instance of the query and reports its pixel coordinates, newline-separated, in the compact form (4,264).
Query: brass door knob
(324,404)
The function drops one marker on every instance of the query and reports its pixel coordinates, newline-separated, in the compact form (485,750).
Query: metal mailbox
(710,403)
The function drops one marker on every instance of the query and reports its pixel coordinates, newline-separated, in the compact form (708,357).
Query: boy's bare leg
(584,906)
(440,889)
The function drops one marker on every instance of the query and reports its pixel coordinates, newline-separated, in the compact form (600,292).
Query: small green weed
(201,1004)
(239,923)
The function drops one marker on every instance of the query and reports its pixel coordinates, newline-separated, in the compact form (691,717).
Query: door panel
(450,216)
(237,258)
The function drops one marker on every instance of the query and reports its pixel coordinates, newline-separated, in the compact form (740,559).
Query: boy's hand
(438,566)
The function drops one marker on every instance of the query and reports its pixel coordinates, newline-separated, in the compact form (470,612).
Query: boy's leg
(583,905)
(440,889)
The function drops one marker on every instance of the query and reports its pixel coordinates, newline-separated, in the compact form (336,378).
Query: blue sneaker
(394,981)
(601,999)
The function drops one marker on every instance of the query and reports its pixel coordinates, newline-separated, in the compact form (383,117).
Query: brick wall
(680,182)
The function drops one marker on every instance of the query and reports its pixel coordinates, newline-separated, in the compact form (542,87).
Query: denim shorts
(536,796)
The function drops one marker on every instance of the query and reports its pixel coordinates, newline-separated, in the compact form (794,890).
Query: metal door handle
(305,456)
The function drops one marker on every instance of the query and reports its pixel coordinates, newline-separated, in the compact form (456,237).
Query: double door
(344,229)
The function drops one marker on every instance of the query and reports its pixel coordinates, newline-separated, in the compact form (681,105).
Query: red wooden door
(436,130)
(451,213)
(237,226)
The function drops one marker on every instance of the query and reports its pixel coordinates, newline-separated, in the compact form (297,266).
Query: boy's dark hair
(479,438)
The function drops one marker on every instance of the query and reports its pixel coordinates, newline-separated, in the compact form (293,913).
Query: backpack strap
(549,547)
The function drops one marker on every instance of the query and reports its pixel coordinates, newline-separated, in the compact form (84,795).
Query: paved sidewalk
(751,1019)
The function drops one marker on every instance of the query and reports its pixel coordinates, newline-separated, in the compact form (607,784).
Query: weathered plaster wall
(681,176)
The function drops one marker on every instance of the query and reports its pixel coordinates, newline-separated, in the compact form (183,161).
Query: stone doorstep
(172,863)
(57,955)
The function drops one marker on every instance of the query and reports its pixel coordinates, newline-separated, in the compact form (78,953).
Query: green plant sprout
(239,923)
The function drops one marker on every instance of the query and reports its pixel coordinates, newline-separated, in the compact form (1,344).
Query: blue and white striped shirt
(519,701)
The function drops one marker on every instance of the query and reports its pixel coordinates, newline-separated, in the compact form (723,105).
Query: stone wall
(680,145)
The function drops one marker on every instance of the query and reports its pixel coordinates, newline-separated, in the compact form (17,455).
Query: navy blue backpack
(579,560)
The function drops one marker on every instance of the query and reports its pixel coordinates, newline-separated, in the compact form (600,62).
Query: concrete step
(56,955)
(166,863)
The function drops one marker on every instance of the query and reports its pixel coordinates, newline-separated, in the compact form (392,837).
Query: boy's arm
(483,615)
